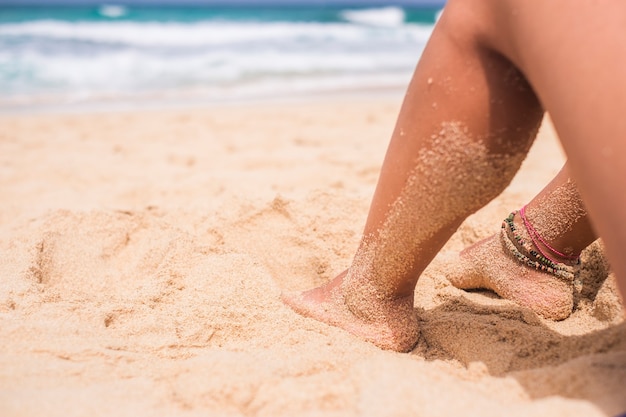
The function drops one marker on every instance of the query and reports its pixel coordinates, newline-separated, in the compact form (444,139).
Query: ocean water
(59,55)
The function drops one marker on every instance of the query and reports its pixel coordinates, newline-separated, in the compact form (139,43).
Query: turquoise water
(75,54)
(16,14)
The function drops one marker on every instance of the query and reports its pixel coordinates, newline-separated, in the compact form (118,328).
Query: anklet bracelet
(538,261)
(536,238)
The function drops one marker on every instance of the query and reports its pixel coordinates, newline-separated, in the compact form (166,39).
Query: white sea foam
(384,16)
(222,59)
(205,33)
(112,11)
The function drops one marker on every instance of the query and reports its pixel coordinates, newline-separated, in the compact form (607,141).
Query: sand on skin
(143,254)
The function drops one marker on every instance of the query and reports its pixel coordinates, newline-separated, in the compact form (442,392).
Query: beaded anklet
(535,259)
(539,241)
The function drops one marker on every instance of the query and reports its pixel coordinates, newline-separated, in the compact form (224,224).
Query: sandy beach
(143,254)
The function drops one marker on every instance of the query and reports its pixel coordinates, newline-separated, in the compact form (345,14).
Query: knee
(461,17)
(468,21)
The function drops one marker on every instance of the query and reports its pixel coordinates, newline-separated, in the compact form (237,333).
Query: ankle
(368,302)
(526,247)
(547,249)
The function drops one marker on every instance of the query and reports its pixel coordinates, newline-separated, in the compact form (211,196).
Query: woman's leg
(467,121)
(466,124)
(574,57)
(558,216)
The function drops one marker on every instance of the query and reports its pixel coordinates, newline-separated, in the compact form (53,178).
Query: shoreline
(189,102)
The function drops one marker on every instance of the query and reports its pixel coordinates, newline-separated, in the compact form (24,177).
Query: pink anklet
(530,257)
(536,238)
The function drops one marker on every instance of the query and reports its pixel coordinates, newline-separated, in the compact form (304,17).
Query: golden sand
(143,255)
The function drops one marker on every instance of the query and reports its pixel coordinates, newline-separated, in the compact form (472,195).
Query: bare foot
(389,324)
(487,265)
